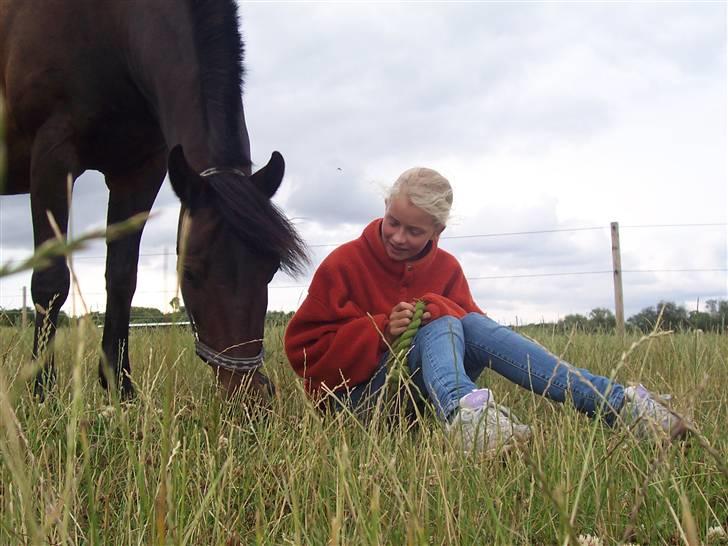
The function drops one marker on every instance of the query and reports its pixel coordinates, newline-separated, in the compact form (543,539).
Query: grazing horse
(134,89)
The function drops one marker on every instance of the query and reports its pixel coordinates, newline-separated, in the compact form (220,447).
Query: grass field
(178,466)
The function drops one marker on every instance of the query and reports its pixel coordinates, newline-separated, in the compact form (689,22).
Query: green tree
(277,318)
(701,320)
(63,320)
(644,321)
(673,317)
(601,319)
(569,322)
(14,318)
(722,319)
(145,314)
(711,307)
(179,315)
(718,311)
(96,317)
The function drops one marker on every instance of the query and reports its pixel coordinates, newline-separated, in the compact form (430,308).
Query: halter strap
(222,170)
(233,364)
(216,358)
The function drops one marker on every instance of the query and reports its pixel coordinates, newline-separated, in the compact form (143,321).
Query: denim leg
(362,398)
(436,364)
(488,344)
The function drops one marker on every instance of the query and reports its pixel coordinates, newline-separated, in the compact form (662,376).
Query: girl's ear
(436,236)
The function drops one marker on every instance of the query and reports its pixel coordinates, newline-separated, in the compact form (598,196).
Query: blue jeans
(449,354)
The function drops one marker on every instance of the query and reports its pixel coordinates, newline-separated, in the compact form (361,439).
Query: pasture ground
(179,466)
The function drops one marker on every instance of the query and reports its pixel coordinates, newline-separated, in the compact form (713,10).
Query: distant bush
(14,317)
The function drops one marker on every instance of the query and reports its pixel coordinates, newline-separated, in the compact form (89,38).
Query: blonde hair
(426,189)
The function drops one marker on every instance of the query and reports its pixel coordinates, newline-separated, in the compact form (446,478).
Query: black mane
(258,222)
(220,53)
(255,219)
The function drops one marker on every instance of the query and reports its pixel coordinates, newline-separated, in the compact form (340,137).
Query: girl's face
(407,229)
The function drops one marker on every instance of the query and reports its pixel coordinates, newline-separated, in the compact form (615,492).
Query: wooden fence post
(617,266)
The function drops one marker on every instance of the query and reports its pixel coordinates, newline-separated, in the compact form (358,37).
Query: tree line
(712,318)
(138,315)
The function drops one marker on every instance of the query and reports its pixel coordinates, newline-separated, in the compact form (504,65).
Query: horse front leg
(129,194)
(121,270)
(52,161)
(49,289)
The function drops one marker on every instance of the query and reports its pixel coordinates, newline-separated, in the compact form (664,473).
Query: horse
(136,90)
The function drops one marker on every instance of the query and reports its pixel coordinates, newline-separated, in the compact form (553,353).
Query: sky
(547,118)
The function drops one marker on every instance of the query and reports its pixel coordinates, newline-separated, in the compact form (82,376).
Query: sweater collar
(372,235)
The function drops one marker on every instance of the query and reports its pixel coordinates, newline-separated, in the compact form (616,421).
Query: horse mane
(255,219)
(220,52)
(258,222)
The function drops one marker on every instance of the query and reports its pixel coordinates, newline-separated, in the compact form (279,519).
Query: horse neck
(184,120)
(211,134)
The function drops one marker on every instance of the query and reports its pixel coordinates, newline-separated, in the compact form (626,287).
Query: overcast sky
(544,116)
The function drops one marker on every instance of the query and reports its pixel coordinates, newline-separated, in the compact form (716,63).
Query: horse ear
(186,183)
(269,178)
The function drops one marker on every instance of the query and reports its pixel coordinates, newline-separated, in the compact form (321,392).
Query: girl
(361,299)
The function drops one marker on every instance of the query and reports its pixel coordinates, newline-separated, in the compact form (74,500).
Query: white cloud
(543,115)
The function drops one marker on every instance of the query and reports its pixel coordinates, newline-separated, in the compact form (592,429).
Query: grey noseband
(217,358)
(232,364)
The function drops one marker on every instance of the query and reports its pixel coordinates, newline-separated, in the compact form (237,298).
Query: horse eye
(190,276)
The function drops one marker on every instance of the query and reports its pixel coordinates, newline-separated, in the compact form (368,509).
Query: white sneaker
(649,417)
(481,424)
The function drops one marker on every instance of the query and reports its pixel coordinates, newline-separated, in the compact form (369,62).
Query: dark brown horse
(134,88)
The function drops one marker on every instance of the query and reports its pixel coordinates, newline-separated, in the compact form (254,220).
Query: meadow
(180,466)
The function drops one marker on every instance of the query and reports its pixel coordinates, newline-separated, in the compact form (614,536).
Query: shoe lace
(504,411)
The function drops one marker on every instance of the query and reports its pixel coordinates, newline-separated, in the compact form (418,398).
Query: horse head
(231,241)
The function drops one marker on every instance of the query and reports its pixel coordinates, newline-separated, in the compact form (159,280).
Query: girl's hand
(399,319)
(426,316)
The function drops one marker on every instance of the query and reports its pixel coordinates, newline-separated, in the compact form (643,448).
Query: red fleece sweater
(331,340)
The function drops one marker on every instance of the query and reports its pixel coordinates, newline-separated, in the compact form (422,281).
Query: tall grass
(180,466)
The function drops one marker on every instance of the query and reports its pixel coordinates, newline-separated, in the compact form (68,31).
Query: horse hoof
(44,381)
(127,388)
(107,377)
(104,373)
